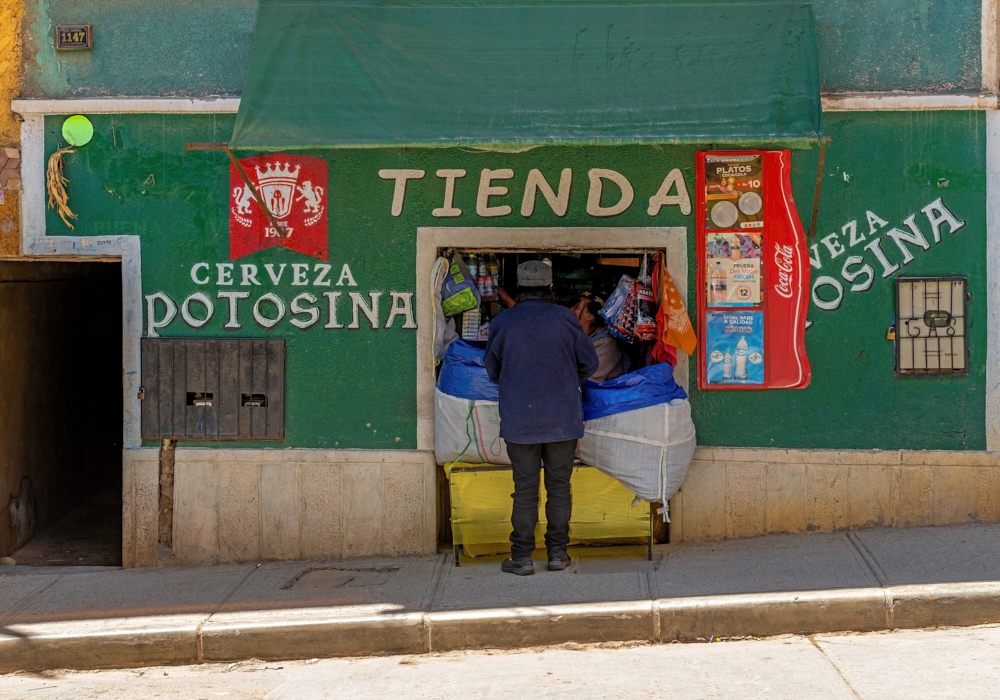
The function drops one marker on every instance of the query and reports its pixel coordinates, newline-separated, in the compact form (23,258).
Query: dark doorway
(61,413)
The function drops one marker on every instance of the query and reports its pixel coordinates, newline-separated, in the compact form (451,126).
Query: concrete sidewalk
(860,581)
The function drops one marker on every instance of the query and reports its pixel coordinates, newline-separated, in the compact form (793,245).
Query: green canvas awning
(341,74)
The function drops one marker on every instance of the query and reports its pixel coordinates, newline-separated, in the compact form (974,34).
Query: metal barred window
(931,325)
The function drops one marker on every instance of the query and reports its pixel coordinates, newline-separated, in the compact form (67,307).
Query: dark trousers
(527,461)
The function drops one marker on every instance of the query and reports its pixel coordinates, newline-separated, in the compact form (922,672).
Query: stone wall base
(258,505)
(731,493)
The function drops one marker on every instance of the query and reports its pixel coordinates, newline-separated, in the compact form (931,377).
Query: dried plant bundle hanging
(56,183)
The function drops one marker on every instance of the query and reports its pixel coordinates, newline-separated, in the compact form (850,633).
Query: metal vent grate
(931,325)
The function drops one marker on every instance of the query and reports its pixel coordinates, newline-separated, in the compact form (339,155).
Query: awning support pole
(246,179)
(819,186)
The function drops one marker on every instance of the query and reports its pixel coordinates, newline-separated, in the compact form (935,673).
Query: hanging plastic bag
(459,292)
(645,306)
(673,326)
(615,301)
(624,325)
(443,329)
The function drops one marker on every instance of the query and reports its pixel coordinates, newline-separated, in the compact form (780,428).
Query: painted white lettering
(448,209)
(852,275)
(663,198)
(370,311)
(402,305)
(784,261)
(824,304)
(559,202)
(331,313)
(887,267)
(915,237)
(833,244)
(851,228)
(937,213)
(169,312)
(597,178)
(258,310)
(300,272)
(225,273)
(323,269)
(249,275)
(202,299)
(234,298)
(345,275)
(311,312)
(814,258)
(194,272)
(399,191)
(875,222)
(270,272)
(486,190)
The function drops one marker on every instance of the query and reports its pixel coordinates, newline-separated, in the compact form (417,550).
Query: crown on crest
(277,174)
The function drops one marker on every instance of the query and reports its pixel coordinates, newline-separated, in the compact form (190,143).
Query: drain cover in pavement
(331,577)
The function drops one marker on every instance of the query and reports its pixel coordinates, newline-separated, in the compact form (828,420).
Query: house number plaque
(74,37)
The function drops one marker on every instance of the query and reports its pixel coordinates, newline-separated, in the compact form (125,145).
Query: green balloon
(77,130)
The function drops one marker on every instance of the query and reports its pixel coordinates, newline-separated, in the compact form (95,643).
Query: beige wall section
(255,505)
(140,505)
(731,493)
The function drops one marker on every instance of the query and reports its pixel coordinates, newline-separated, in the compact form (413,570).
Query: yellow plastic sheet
(481,507)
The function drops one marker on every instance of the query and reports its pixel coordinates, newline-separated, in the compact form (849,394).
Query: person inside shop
(540,356)
(610,361)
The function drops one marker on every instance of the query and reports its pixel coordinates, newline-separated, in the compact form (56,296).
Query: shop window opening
(575,275)
(474,499)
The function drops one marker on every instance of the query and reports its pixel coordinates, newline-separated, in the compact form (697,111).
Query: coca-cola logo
(783,260)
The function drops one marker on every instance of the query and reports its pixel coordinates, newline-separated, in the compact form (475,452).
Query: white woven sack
(467,431)
(648,450)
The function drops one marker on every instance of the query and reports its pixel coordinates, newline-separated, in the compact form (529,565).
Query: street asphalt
(85,618)
(947,663)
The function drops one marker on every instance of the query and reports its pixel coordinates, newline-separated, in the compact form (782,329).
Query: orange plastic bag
(672,322)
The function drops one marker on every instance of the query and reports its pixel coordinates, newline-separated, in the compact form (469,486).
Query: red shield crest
(294,188)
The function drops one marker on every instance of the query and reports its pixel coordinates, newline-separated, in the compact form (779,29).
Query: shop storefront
(289,354)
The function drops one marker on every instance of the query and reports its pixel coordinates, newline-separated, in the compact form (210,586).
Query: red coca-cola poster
(753,273)
(294,188)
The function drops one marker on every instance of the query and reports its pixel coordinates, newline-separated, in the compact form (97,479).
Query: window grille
(931,325)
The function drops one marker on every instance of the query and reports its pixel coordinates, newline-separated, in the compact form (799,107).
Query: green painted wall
(357,388)
(892,164)
(201,47)
(874,45)
(180,47)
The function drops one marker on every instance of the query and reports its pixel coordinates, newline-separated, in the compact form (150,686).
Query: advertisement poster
(734,196)
(753,273)
(733,265)
(734,344)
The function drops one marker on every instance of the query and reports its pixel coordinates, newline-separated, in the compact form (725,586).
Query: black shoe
(559,561)
(519,567)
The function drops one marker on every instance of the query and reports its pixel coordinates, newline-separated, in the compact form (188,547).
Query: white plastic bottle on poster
(742,350)
(727,365)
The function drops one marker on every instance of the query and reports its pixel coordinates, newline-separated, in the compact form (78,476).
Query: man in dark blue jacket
(540,356)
